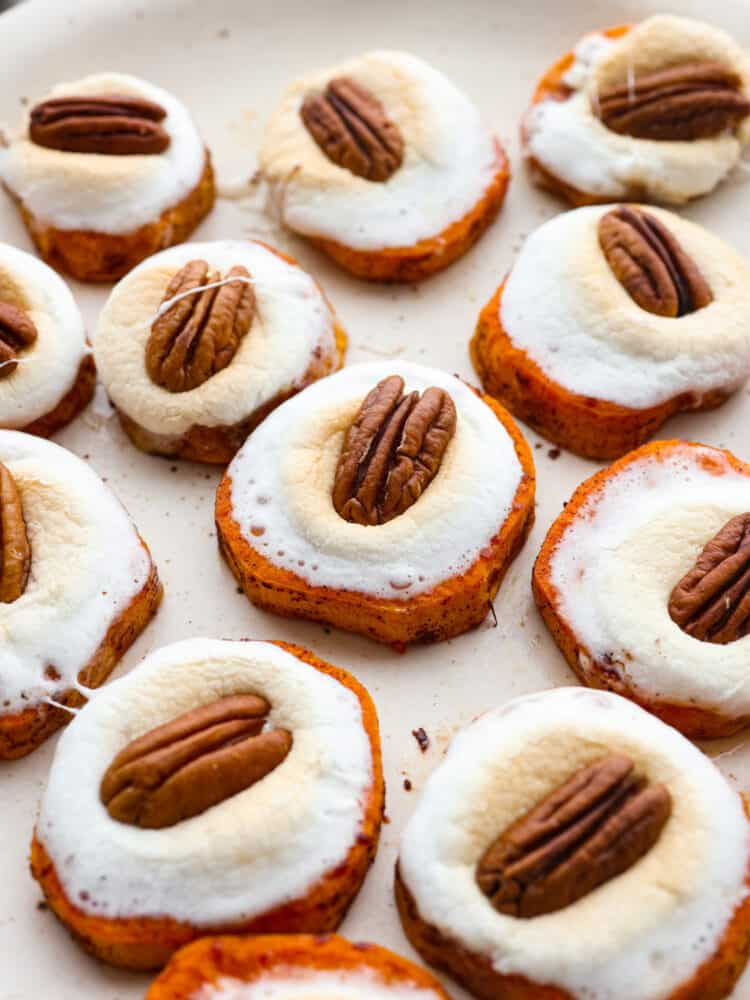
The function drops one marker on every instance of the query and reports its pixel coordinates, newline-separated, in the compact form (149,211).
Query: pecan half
(16,552)
(199,335)
(592,828)
(650,264)
(119,126)
(392,451)
(17,330)
(712,601)
(692,101)
(351,127)
(196,761)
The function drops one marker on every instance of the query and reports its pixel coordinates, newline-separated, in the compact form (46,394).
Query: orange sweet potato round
(591,427)
(430,255)
(218,445)
(551,87)
(148,942)
(207,961)
(92,256)
(451,608)
(713,980)
(22,732)
(693,721)
(75,399)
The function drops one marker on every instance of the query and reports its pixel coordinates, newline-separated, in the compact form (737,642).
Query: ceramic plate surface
(229,60)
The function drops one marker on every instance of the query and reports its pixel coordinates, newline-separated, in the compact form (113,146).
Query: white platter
(229,60)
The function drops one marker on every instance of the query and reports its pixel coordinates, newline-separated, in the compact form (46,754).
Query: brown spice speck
(423,740)
(407,785)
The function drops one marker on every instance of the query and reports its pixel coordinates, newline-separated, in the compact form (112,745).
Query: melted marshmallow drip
(289,984)
(283,474)
(260,849)
(87,564)
(616,564)
(655,924)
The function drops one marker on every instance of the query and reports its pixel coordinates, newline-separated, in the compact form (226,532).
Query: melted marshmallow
(568,139)
(653,925)
(292,326)
(87,565)
(618,561)
(101,193)
(564,307)
(253,852)
(47,371)
(293,984)
(449,159)
(283,475)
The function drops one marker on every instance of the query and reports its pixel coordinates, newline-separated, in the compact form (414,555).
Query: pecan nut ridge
(591,829)
(392,451)
(200,334)
(712,601)
(16,551)
(115,126)
(650,263)
(351,127)
(196,761)
(17,331)
(691,101)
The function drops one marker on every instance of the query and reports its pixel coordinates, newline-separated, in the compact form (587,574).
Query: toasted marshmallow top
(48,368)
(105,193)
(283,476)
(253,852)
(449,160)
(568,139)
(87,565)
(564,307)
(617,563)
(292,326)
(652,925)
(312,984)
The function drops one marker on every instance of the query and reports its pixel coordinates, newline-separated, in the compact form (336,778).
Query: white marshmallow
(100,193)
(283,475)
(48,369)
(450,159)
(292,325)
(87,565)
(616,565)
(564,307)
(652,925)
(292,984)
(568,139)
(251,853)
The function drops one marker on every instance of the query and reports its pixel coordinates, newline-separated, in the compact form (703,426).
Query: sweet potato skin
(22,732)
(430,255)
(104,257)
(693,721)
(590,427)
(713,980)
(453,607)
(207,961)
(144,943)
